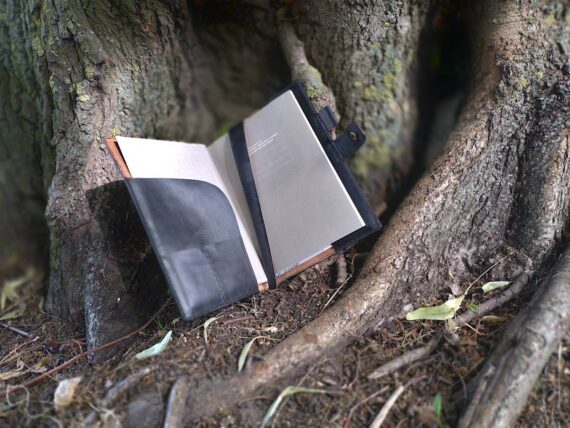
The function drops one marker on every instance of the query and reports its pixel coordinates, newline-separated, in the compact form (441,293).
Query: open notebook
(198,203)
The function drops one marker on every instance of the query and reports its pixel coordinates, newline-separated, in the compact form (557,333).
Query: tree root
(512,370)
(458,216)
(118,390)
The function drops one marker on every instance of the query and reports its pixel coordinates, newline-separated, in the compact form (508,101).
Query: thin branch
(510,373)
(341,272)
(16,330)
(491,304)
(302,70)
(405,359)
(69,362)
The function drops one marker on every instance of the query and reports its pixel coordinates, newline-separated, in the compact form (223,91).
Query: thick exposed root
(459,217)
(508,376)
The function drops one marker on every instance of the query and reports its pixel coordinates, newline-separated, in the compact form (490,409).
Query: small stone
(177,399)
(146,411)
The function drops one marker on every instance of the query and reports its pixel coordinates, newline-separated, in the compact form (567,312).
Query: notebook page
(147,158)
(304,203)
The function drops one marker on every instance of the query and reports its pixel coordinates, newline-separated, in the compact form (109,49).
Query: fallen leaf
(11,374)
(271,329)
(155,349)
(493,285)
(290,390)
(244,353)
(492,319)
(441,312)
(10,289)
(438,405)
(64,392)
(15,313)
(206,325)
(452,325)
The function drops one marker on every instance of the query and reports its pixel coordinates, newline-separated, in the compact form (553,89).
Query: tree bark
(508,376)
(465,213)
(77,71)
(368,55)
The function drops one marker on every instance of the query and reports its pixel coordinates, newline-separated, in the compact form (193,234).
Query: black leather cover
(194,231)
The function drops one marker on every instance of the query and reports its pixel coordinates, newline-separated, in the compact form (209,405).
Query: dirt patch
(352,399)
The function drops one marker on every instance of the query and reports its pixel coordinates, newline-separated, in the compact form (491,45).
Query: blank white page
(147,158)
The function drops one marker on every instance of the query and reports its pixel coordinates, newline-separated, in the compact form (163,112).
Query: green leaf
(437,405)
(290,390)
(493,285)
(474,307)
(155,349)
(10,292)
(492,319)
(15,313)
(442,312)
(206,325)
(244,353)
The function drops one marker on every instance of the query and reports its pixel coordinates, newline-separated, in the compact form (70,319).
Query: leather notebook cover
(198,230)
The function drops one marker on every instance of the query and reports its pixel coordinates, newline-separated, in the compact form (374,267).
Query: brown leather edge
(113,147)
(300,268)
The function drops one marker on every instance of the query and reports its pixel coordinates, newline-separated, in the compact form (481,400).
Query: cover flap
(193,229)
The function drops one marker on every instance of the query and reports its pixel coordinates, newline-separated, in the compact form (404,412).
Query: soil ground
(273,316)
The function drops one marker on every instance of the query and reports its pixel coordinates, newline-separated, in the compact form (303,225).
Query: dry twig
(176,402)
(16,330)
(69,362)
(491,304)
(511,372)
(119,389)
(378,420)
(405,359)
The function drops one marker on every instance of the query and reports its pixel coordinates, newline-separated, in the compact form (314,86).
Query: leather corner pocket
(194,231)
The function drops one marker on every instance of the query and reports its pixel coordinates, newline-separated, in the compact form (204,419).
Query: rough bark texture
(367,53)
(509,375)
(25,156)
(78,71)
(464,214)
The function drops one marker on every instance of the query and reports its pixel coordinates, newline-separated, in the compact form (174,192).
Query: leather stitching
(215,274)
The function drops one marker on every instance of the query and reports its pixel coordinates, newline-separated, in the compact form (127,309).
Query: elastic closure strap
(243,163)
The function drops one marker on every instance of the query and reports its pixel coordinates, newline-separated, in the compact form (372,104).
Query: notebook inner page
(305,205)
(147,158)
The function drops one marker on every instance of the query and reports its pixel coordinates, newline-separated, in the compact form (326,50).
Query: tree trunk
(369,56)
(76,72)
(81,71)
(470,210)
